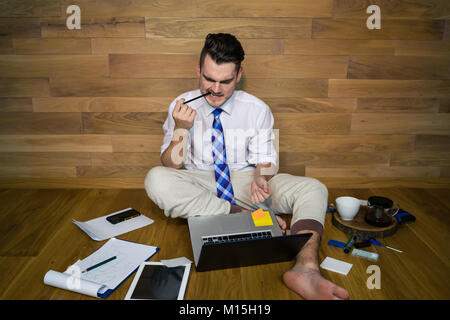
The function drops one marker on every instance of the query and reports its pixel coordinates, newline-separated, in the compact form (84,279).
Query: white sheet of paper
(100,229)
(70,282)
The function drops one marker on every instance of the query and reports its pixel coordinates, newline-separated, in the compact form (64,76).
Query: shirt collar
(227,106)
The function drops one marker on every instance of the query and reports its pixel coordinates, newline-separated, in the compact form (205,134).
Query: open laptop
(233,240)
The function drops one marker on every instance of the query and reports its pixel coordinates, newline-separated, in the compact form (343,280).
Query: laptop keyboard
(238,236)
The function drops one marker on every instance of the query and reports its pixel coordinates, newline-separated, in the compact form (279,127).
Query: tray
(361,228)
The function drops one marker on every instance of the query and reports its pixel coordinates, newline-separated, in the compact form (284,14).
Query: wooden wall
(86,107)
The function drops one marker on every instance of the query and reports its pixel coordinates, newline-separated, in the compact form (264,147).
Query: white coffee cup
(347,207)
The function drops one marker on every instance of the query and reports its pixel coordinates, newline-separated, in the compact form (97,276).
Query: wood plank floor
(37,234)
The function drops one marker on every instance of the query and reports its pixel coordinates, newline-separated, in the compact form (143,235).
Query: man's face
(219,79)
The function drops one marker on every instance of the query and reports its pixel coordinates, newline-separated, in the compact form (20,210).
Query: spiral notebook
(102,281)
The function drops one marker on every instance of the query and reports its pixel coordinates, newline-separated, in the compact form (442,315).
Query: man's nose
(216,87)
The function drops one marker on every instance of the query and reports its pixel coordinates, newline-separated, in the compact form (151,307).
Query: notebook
(101,281)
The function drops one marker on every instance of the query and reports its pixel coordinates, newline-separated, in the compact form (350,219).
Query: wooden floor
(37,234)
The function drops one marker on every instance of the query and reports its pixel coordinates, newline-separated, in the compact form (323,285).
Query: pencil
(203,95)
(99,264)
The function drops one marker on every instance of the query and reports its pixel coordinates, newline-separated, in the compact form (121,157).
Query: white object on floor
(336,265)
(100,229)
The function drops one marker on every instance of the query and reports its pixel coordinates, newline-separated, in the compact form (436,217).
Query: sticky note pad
(261,218)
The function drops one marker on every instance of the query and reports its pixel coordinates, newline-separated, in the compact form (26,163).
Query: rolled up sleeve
(261,146)
(168,128)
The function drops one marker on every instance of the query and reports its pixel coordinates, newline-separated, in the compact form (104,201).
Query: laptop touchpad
(243,223)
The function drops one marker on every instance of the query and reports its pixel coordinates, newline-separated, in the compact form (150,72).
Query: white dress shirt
(248,132)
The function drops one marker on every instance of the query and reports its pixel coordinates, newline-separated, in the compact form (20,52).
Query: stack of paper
(102,281)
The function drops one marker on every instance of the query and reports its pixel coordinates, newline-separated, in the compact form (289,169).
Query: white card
(336,265)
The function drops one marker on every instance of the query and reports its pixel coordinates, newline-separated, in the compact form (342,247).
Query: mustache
(215,94)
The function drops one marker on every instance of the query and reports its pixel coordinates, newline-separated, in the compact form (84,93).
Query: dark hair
(222,48)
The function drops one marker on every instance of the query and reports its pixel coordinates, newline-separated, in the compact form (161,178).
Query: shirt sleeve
(168,127)
(261,147)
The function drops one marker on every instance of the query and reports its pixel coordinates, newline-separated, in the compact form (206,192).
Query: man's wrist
(257,176)
(264,170)
(181,129)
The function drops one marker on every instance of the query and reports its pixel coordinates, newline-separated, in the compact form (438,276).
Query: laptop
(240,240)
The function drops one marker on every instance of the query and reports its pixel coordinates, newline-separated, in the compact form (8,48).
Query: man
(219,149)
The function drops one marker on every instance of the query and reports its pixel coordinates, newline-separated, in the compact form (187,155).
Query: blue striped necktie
(221,170)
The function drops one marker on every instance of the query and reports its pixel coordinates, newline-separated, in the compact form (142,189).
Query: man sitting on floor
(220,147)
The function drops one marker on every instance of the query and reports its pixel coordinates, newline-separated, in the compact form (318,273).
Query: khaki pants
(183,193)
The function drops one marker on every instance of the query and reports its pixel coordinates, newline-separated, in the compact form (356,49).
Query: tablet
(156,281)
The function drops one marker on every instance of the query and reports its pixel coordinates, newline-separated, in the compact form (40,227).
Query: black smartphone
(122,216)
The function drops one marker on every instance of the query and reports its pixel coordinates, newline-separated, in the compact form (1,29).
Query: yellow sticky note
(261,218)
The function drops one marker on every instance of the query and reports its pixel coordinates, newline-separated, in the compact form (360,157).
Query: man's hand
(183,115)
(174,155)
(260,189)
(260,192)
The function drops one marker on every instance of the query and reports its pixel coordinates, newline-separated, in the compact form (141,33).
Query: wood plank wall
(88,105)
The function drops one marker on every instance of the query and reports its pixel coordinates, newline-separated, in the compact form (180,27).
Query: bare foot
(308,283)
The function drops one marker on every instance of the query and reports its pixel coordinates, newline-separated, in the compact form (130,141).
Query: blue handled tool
(403,216)
(331,208)
(336,243)
(375,242)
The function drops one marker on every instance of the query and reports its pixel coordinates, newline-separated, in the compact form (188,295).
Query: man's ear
(198,69)
(239,74)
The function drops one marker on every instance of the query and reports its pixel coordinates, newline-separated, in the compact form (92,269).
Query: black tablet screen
(159,282)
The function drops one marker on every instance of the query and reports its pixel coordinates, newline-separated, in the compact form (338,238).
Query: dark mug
(380,211)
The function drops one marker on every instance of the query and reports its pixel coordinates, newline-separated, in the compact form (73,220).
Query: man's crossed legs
(182,193)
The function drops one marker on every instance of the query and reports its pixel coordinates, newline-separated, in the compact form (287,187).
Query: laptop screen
(247,252)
